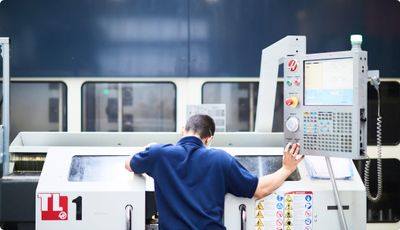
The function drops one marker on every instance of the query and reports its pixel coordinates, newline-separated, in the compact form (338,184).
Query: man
(191,180)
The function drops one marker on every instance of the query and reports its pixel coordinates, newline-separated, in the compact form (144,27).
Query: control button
(297,82)
(289,83)
(292,124)
(292,102)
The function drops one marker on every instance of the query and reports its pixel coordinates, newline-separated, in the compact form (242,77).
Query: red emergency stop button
(292,101)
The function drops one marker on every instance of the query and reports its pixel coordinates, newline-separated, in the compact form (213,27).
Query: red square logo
(53,206)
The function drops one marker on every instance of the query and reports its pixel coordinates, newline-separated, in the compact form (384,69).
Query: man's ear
(208,140)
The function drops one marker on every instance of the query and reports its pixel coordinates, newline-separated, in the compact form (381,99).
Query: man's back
(191,182)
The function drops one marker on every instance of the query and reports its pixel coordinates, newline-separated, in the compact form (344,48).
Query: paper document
(317,168)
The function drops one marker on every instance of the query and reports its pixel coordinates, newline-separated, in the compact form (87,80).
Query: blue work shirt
(191,182)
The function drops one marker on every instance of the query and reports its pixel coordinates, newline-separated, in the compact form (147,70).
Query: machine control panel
(325,97)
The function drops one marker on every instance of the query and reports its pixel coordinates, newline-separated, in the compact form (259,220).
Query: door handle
(128,216)
(243,216)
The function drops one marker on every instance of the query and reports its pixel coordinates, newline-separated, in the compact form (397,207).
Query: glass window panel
(241,104)
(390,112)
(129,107)
(387,209)
(37,106)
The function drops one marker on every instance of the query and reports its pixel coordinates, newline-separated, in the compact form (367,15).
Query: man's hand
(128,163)
(269,183)
(290,158)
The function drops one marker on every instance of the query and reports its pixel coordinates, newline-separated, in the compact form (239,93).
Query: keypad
(327,131)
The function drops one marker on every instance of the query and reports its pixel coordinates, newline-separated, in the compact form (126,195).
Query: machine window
(240,99)
(129,107)
(264,165)
(390,112)
(91,168)
(37,106)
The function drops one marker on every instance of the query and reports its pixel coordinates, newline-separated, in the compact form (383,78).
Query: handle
(243,216)
(128,216)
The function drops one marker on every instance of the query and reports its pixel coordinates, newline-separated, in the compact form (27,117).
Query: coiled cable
(379,159)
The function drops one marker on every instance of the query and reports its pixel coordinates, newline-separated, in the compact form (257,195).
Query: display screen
(328,82)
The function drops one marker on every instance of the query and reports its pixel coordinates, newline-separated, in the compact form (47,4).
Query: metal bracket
(272,57)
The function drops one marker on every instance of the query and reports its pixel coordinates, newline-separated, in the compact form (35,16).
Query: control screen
(328,82)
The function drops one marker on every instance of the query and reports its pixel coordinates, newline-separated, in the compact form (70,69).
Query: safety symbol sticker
(279,198)
(259,215)
(259,223)
(298,210)
(307,221)
(279,214)
(279,206)
(260,206)
(279,222)
(292,65)
(288,215)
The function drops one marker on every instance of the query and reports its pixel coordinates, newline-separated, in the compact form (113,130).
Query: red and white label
(53,206)
(292,65)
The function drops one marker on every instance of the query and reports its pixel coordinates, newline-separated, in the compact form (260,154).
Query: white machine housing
(321,211)
(336,129)
(97,195)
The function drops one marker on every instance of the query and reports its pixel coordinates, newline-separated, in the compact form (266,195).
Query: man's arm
(128,160)
(269,183)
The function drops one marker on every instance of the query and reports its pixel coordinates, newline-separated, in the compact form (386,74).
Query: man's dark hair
(201,124)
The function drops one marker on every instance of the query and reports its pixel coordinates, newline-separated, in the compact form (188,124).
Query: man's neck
(191,134)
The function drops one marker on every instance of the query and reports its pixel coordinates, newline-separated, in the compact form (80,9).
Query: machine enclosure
(322,211)
(104,204)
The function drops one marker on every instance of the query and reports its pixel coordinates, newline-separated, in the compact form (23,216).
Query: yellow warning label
(259,215)
(259,223)
(260,206)
(288,206)
(289,198)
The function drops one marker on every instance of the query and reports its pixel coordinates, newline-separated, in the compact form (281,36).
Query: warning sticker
(298,210)
(285,211)
(260,206)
